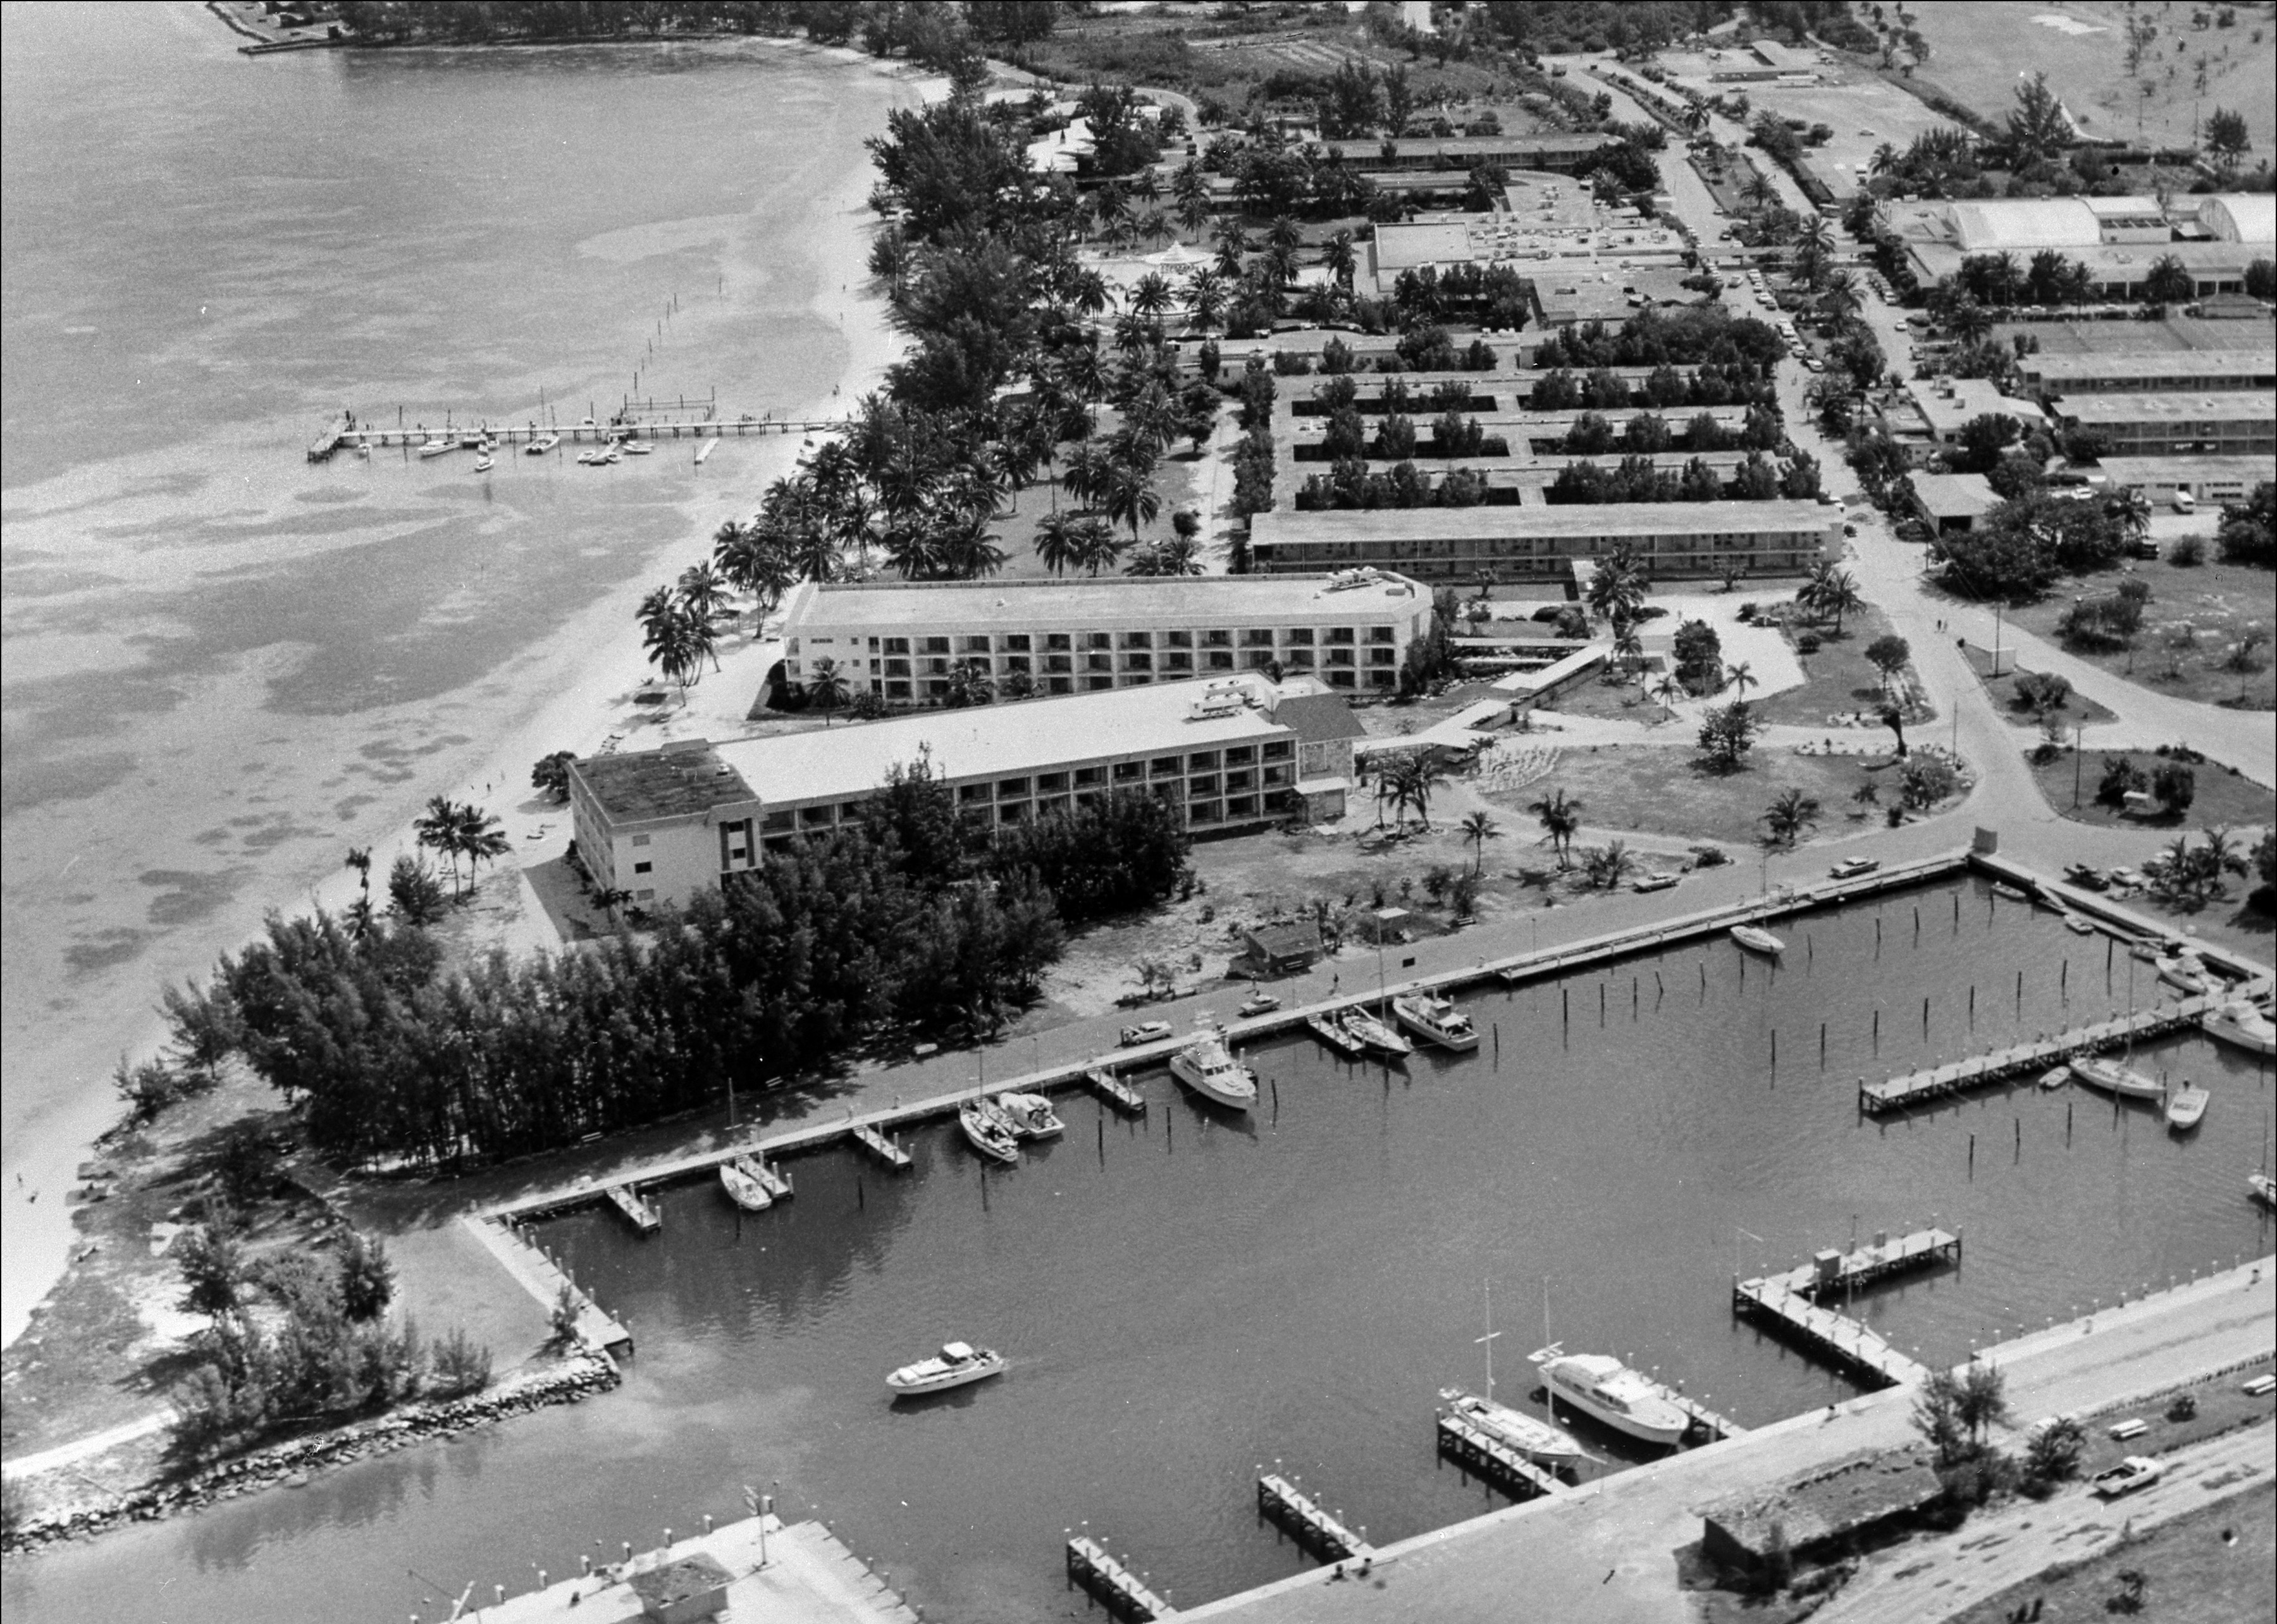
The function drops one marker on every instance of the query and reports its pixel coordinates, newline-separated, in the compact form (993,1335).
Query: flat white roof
(1000,740)
(1108,601)
(2167,470)
(2227,405)
(2153,364)
(1617,519)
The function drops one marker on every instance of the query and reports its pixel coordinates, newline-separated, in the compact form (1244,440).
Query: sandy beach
(570,688)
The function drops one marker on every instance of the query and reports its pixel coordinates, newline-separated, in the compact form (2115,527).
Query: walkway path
(64,1456)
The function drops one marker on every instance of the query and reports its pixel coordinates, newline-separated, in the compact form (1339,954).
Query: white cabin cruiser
(956,1364)
(1435,1020)
(2244,1025)
(1030,1116)
(2186,1107)
(1210,1069)
(1604,1389)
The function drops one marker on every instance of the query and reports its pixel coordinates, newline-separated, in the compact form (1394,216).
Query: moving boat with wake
(958,1364)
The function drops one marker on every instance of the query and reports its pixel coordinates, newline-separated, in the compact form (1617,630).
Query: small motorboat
(2186,1107)
(1850,868)
(987,1131)
(957,1365)
(1538,1440)
(1372,1034)
(435,448)
(743,1187)
(2186,972)
(1258,1004)
(542,445)
(2264,1189)
(2147,952)
(586,457)
(638,448)
(2055,1077)
(1756,940)
(1435,1020)
(2001,888)
(484,463)
(1207,1067)
(1653,879)
(1332,1032)
(1030,1116)
(2078,923)
(2243,1025)
(1146,1032)
(2110,1077)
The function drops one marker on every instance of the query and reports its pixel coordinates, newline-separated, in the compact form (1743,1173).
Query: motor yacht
(1756,940)
(1604,1389)
(638,448)
(2186,1107)
(987,1131)
(1210,1069)
(1373,1033)
(2108,1076)
(1538,1440)
(1435,1020)
(1031,1116)
(957,1365)
(745,1187)
(2243,1025)
(2186,972)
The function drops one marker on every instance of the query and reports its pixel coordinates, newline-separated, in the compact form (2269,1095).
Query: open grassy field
(2194,619)
(1838,678)
(1977,53)
(1662,791)
(2225,799)
(2077,710)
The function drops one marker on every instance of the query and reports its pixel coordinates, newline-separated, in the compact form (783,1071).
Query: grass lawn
(1838,678)
(1976,50)
(2226,798)
(2211,1566)
(2194,619)
(1181,481)
(1662,790)
(2076,710)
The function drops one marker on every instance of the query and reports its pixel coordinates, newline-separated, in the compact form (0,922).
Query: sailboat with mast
(1542,1442)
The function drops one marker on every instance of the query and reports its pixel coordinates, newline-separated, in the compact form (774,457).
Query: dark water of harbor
(1185,1298)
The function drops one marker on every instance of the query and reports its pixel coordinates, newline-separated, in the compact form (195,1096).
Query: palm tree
(1479,829)
(1790,814)
(1130,497)
(1057,541)
(1628,648)
(826,687)
(1668,690)
(438,832)
(1839,597)
(1969,320)
(1606,866)
(1206,297)
(479,839)
(2130,510)
(1560,818)
(969,683)
(1150,296)
(1096,546)
(1738,674)
(1759,192)
(1884,159)
(704,591)
(1336,253)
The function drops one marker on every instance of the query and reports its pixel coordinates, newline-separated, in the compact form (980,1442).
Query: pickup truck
(2135,1472)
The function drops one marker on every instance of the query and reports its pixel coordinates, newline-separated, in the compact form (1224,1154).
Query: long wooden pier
(2029,1059)
(586,431)
(1790,1299)
(1492,1458)
(1121,1591)
(1283,1503)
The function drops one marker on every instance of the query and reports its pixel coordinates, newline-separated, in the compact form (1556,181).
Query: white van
(2185,503)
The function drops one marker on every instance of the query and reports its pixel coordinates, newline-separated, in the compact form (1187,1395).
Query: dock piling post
(1972,1156)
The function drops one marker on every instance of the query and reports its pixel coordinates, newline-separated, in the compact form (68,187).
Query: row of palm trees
(1830,594)
(458,832)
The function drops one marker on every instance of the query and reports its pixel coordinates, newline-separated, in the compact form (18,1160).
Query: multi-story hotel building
(1237,752)
(2235,423)
(901,640)
(1673,539)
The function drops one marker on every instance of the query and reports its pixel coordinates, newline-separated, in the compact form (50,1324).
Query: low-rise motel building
(900,639)
(1233,753)
(1526,543)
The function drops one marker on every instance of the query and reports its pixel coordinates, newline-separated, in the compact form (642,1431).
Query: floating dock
(884,1149)
(1492,1458)
(1283,1503)
(1115,1091)
(1790,1299)
(1117,1589)
(2029,1059)
(1710,1425)
(638,1209)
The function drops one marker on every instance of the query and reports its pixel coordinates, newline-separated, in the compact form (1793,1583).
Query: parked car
(1850,868)
(2135,1472)
(1146,1032)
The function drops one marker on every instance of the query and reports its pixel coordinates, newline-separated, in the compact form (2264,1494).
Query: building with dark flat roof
(1674,539)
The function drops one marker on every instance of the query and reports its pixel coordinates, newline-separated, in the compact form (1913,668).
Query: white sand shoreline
(570,696)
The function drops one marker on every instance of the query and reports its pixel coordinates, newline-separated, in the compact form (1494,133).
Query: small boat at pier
(957,1364)
(1210,1069)
(1756,940)
(542,445)
(2055,1077)
(2243,1025)
(1374,1034)
(1332,1031)
(987,1131)
(638,448)
(1030,1116)
(2186,972)
(437,447)
(484,463)
(2186,1107)
(637,1208)
(1435,1020)
(1604,1389)
(743,1186)
(2078,923)
(2108,1076)
(1538,1440)
(2014,893)
(2264,1189)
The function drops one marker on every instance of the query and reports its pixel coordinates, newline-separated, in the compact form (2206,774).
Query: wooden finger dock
(639,1210)
(1112,1582)
(884,1149)
(1284,1504)
(1115,1091)
(1492,1458)
(2029,1059)
(1790,1300)
(1830,1271)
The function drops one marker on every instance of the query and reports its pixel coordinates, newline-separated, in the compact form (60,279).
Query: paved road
(1913,1582)
(1606,1555)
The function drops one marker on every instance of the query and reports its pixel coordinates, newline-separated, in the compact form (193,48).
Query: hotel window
(1341,678)
(1221,659)
(1277,749)
(1012,789)
(1257,637)
(1339,634)
(1050,783)
(1129,772)
(642,868)
(1099,662)
(897,690)
(1167,766)
(1300,636)
(1301,657)
(640,839)
(1098,640)
(1098,683)
(976,645)
(775,823)
(1218,640)
(1260,658)
(1090,775)
(1060,685)
(1015,662)
(1174,661)
(1016,642)
(1201,761)
(1206,785)
(1138,662)
(1058,663)
(936,645)
(817,817)
(1059,641)
(1138,639)
(1178,640)
(897,668)
(967,793)
(1381,656)
(1239,780)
